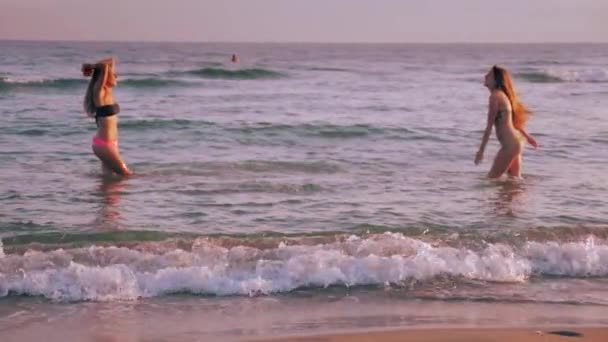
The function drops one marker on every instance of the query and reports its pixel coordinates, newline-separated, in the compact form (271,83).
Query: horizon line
(302,42)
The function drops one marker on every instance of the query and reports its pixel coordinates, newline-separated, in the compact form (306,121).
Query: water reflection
(110,191)
(509,197)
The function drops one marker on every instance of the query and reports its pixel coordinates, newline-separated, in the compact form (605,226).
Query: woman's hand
(532,141)
(478,157)
(87,69)
(107,61)
(529,138)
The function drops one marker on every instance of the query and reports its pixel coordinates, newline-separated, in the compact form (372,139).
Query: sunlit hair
(89,102)
(504,82)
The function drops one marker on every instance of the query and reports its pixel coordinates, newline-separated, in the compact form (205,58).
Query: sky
(428,21)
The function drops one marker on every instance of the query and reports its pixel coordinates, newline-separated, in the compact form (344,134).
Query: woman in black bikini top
(99,102)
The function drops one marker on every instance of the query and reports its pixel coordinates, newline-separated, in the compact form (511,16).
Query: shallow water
(304,167)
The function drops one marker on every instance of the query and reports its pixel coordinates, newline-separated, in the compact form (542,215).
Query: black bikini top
(107,110)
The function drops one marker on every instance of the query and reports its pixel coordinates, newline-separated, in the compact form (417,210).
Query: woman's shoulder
(499,97)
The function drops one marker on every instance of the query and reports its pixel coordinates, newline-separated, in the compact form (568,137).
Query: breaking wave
(206,267)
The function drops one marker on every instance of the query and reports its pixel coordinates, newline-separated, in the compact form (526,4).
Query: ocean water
(304,169)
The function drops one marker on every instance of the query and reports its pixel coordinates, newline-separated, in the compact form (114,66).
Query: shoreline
(496,334)
(359,316)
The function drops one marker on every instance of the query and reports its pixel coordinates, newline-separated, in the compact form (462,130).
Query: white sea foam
(113,273)
(581,75)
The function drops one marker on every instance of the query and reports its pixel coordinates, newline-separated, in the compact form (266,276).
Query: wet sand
(356,316)
(461,335)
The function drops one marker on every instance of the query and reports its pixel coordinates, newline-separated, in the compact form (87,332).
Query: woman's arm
(492,111)
(529,138)
(99,85)
(87,69)
(104,66)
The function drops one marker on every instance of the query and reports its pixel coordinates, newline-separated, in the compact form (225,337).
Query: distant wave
(329,69)
(328,131)
(565,76)
(59,83)
(239,74)
(151,83)
(147,124)
(7,84)
(215,267)
(539,77)
(547,62)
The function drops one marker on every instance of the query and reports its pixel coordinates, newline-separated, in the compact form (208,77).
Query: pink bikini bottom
(97,141)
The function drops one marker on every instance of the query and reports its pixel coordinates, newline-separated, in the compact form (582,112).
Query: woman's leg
(106,171)
(502,162)
(110,157)
(515,167)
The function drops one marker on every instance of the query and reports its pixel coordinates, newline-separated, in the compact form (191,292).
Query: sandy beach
(358,316)
(461,335)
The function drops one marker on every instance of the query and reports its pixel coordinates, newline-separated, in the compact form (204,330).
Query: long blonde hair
(89,97)
(504,82)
